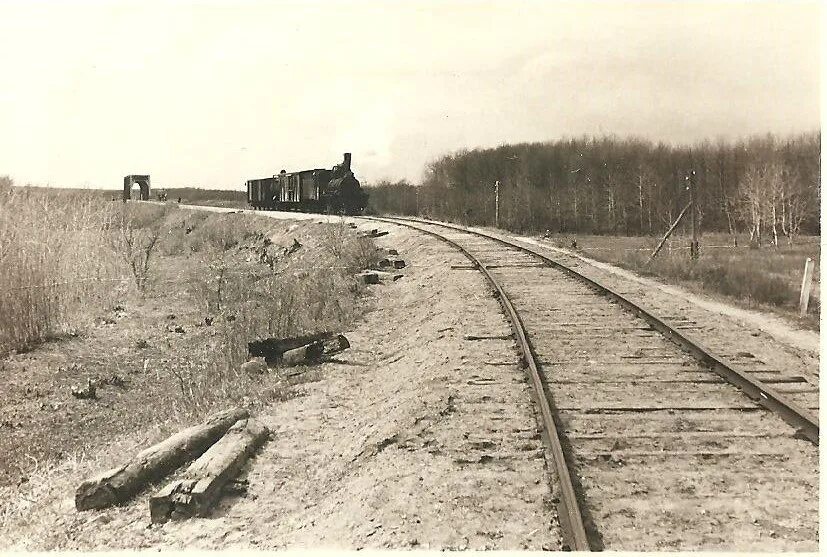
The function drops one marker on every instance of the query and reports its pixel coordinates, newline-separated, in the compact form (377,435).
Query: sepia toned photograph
(419,275)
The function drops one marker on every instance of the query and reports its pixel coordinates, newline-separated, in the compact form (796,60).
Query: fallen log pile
(392,262)
(376,277)
(306,349)
(315,351)
(204,480)
(223,442)
(389,259)
(372,233)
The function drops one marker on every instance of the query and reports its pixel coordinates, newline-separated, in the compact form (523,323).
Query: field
(765,278)
(192,196)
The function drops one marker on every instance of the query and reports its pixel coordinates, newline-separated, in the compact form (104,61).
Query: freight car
(315,191)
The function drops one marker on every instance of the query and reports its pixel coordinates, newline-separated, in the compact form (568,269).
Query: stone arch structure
(143,182)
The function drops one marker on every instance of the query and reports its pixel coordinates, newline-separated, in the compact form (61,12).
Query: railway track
(655,442)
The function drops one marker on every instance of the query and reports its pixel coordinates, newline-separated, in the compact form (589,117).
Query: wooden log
(372,233)
(272,349)
(315,351)
(385,276)
(202,484)
(487,337)
(119,484)
(392,262)
(368,277)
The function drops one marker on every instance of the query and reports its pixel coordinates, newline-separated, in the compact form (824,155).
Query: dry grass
(171,378)
(766,277)
(68,256)
(252,288)
(55,265)
(65,256)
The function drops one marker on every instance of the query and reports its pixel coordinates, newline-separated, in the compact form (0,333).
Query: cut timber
(273,349)
(375,277)
(373,233)
(488,337)
(368,277)
(202,484)
(315,351)
(392,262)
(119,484)
(386,276)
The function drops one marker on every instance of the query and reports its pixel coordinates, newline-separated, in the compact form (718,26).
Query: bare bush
(138,229)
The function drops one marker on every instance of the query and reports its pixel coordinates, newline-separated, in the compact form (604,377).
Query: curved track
(653,442)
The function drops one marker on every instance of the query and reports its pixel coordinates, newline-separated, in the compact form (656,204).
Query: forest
(765,186)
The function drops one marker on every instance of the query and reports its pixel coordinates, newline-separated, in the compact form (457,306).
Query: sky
(209,94)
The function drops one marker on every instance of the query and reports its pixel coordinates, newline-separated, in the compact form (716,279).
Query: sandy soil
(416,437)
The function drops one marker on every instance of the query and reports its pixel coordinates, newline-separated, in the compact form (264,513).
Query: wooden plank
(201,486)
(119,484)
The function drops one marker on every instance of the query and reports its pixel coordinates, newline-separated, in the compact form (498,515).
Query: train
(318,190)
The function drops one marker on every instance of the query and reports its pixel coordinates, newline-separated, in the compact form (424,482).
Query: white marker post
(806,285)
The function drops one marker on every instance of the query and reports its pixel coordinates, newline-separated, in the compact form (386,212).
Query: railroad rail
(629,471)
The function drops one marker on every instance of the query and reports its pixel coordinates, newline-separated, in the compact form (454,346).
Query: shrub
(276,295)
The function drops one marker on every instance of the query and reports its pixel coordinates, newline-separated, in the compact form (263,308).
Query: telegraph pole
(694,248)
(497,204)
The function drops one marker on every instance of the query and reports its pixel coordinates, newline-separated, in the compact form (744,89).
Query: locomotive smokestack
(346,164)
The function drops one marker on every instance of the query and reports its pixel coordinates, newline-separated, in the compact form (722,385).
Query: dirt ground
(415,437)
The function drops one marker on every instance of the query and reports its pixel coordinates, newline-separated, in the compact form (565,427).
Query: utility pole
(694,248)
(497,204)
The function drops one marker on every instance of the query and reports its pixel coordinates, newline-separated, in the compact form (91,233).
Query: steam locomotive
(313,191)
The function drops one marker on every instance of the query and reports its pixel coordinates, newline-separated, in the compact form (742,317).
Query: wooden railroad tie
(204,480)
(119,484)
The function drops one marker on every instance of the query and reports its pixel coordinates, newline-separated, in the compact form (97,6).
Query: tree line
(765,186)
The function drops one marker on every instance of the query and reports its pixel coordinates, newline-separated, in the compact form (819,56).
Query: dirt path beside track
(750,338)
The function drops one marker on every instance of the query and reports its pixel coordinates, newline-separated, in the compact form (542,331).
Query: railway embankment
(421,435)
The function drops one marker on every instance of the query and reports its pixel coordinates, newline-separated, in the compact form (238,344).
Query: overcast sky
(209,94)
